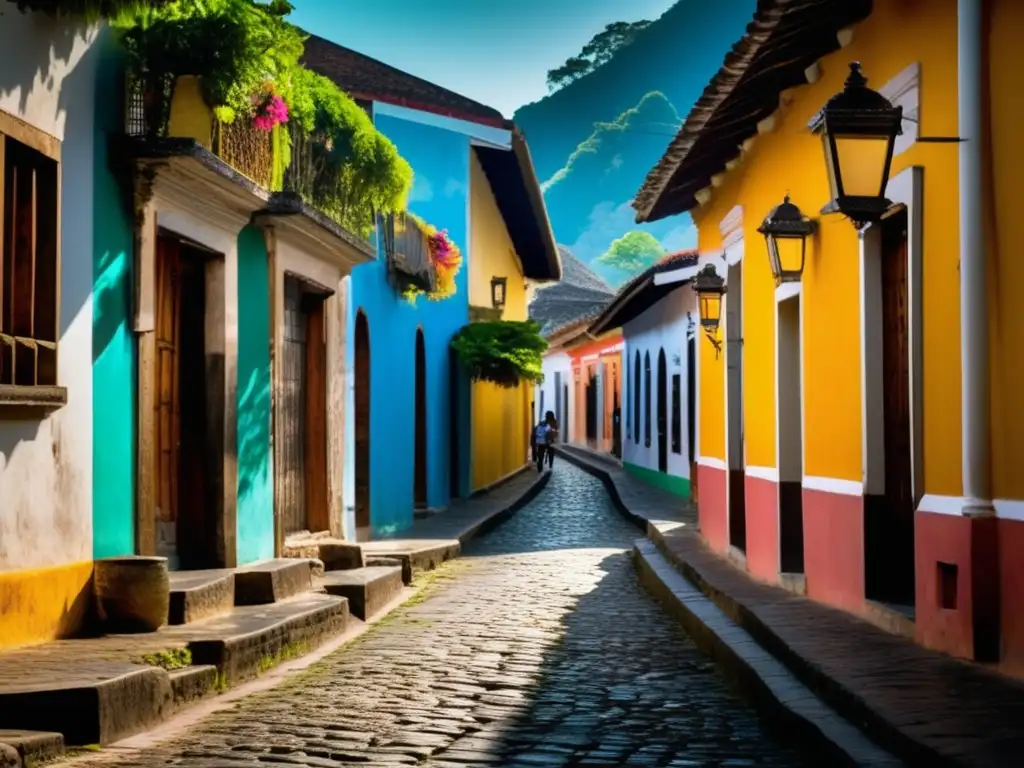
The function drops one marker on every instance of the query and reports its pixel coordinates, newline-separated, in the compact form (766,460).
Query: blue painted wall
(440,161)
(112,339)
(255,533)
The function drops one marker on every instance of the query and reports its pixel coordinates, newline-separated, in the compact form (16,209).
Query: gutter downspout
(975,412)
(984,606)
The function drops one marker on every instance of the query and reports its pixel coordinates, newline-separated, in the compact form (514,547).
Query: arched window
(636,398)
(647,399)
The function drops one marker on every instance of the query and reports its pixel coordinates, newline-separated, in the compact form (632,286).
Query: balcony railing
(408,253)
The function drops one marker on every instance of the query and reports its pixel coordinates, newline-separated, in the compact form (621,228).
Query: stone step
(193,683)
(368,590)
(416,555)
(197,595)
(254,638)
(335,554)
(272,581)
(31,747)
(99,691)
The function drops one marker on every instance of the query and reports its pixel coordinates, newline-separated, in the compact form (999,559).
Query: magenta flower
(271,112)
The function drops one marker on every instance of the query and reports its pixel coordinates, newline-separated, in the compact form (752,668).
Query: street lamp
(710,288)
(858,128)
(498,285)
(785,231)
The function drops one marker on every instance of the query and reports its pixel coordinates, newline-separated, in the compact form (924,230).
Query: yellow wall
(790,159)
(1006,275)
(501,417)
(189,114)
(43,604)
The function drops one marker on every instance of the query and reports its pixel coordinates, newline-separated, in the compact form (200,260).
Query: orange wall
(790,159)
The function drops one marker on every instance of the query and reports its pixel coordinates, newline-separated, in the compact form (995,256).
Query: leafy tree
(503,352)
(598,51)
(633,252)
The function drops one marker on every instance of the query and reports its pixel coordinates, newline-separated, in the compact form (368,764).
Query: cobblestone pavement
(539,648)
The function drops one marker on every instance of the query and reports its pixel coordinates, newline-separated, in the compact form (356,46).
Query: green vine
(329,150)
(503,352)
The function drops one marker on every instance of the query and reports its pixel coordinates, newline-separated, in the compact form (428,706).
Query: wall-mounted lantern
(785,231)
(710,288)
(498,285)
(858,127)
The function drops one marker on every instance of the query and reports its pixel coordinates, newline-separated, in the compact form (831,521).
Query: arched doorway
(454,476)
(362,424)
(420,469)
(662,413)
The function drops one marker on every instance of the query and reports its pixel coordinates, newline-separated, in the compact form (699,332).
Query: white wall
(554,362)
(48,80)
(662,326)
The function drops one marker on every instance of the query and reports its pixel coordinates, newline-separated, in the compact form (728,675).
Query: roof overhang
(200,175)
(782,43)
(520,201)
(643,292)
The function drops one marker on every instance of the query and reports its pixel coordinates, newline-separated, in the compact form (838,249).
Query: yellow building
(501,263)
(859,438)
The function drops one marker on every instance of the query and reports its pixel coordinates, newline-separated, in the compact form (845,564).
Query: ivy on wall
(246,57)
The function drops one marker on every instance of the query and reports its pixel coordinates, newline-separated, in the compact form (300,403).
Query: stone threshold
(920,706)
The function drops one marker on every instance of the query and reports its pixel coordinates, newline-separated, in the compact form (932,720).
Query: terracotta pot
(132,593)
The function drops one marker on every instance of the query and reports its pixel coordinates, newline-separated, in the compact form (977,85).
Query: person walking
(552,436)
(539,443)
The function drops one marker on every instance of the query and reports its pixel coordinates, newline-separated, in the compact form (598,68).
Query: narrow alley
(539,648)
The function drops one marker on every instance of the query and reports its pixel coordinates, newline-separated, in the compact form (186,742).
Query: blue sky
(494,52)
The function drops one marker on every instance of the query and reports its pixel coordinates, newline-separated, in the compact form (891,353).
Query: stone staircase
(344,571)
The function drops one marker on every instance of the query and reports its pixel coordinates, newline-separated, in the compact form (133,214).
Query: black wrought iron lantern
(785,231)
(858,128)
(498,286)
(710,288)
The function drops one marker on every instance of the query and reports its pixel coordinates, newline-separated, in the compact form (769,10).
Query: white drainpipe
(974,350)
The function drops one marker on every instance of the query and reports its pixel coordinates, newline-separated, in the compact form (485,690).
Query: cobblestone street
(538,648)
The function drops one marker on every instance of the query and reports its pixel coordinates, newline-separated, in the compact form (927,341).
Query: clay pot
(133,593)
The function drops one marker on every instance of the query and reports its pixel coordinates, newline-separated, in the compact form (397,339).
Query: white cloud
(607,221)
(421,190)
(681,238)
(454,187)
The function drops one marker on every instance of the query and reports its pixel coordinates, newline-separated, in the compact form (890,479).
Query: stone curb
(845,702)
(762,678)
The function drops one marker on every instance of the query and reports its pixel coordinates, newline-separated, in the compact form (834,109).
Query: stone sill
(31,402)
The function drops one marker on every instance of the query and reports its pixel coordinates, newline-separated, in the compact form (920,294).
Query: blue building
(405,389)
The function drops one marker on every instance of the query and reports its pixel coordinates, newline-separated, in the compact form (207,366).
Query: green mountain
(594,140)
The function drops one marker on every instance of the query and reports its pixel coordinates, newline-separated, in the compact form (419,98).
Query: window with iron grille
(29,279)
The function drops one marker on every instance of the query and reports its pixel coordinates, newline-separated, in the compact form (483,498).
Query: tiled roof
(642,292)
(784,38)
(575,272)
(365,78)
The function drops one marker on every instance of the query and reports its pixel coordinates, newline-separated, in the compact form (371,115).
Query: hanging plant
(503,352)
(445,260)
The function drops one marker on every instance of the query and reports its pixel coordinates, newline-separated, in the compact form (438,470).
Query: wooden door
(167,423)
(420,418)
(290,464)
(896,368)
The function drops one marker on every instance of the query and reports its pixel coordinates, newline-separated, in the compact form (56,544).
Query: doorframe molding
(906,190)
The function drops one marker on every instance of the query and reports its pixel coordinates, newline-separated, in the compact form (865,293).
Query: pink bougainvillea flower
(271,112)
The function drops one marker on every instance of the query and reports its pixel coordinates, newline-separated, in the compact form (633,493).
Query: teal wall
(255,533)
(113,345)
(680,486)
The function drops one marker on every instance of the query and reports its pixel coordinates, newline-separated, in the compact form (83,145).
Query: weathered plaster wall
(255,461)
(440,159)
(48,80)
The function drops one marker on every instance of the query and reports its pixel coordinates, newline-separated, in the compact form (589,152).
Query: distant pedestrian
(540,440)
(552,436)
